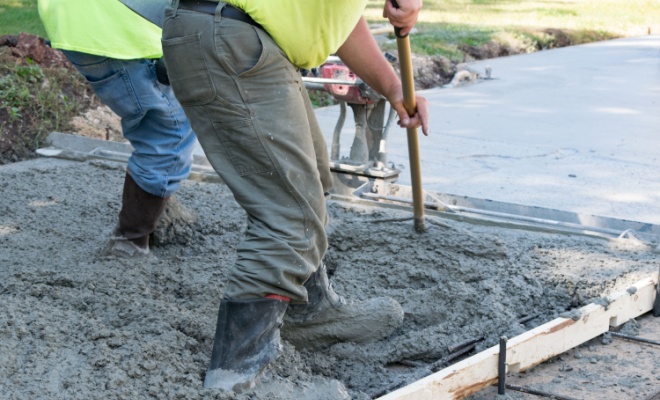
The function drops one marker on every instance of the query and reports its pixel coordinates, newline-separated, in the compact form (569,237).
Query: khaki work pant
(252,115)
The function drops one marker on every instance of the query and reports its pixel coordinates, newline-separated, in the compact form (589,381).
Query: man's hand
(361,54)
(421,117)
(403,16)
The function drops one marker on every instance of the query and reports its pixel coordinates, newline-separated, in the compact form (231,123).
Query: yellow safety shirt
(100,27)
(307,31)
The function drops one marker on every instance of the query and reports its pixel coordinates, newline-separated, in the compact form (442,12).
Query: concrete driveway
(574,129)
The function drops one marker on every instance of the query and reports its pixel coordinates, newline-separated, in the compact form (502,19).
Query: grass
(18,16)
(447,26)
(621,17)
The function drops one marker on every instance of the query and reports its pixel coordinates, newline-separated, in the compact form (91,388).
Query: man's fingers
(423,113)
(421,117)
(404,119)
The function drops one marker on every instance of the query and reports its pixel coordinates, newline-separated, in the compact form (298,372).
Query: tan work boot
(138,218)
(329,319)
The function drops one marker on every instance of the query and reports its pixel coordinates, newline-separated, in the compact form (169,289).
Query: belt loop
(218,10)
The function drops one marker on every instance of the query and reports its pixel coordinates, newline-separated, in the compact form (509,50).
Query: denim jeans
(255,122)
(151,119)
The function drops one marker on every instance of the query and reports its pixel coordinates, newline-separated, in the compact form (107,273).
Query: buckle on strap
(208,7)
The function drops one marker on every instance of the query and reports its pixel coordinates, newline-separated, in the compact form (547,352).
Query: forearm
(362,55)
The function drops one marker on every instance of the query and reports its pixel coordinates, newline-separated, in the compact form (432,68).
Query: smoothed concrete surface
(574,129)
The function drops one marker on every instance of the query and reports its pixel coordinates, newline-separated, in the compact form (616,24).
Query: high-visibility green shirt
(307,31)
(100,27)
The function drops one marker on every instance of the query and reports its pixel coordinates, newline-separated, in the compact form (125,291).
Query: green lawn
(622,17)
(18,16)
(446,25)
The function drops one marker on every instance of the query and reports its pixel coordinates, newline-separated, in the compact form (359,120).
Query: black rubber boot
(329,319)
(138,218)
(247,339)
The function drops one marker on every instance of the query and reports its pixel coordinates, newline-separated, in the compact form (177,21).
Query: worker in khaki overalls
(234,68)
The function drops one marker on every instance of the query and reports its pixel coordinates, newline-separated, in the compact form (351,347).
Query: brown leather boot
(138,218)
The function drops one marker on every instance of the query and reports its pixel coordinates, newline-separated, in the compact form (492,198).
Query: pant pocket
(244,147)
(189,75)
(239,46)
(110,80)
(117,92)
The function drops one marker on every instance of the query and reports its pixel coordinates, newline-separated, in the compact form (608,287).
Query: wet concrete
(571,129)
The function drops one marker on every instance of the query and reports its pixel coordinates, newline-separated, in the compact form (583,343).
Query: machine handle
(409,101)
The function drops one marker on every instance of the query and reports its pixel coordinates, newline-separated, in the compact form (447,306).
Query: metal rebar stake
(540,393)
(501,367)
(634,338)
(656,302)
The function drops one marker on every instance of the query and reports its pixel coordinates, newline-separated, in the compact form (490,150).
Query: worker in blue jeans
(117,51)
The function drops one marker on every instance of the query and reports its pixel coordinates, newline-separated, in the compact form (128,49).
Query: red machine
(368,151)
(343,92)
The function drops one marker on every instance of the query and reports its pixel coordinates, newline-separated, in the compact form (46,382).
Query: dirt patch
(76,325)
(40,92)
(25,49)
(98,123)
(430,72)
(490,50)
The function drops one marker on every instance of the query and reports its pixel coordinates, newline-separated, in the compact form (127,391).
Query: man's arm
(361,54)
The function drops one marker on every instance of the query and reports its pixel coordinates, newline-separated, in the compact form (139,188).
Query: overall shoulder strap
(151,10)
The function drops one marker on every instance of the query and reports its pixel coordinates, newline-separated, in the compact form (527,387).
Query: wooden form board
(532,347)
